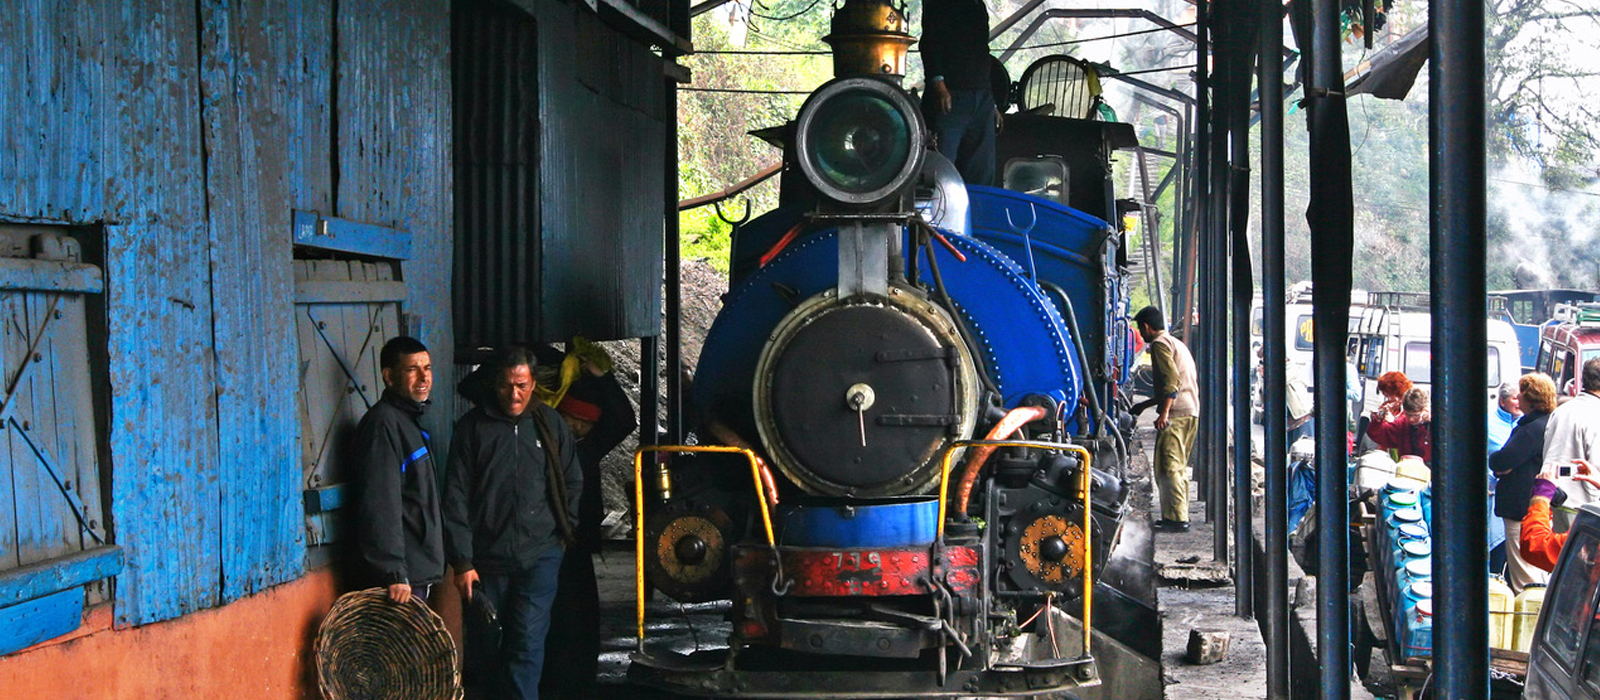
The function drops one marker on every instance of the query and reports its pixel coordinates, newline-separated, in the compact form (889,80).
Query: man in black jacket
(510,510)
(401,539)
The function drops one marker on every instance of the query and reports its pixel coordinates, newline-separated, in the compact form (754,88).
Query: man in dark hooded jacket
(400,537)
(510,510)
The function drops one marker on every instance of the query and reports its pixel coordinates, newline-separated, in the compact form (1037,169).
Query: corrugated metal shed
(584,258)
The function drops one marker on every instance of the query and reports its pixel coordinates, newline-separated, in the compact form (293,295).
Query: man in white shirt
(1573,432)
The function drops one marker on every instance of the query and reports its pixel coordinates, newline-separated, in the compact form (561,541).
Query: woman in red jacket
(1409,433)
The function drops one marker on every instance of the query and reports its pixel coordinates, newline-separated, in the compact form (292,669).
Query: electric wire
(824,52)
(808,8)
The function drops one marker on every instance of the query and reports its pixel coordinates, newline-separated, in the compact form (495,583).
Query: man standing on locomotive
(960,103)
(1176,397)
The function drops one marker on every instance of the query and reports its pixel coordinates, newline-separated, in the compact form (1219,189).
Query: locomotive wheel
(686,551)
(1046,548)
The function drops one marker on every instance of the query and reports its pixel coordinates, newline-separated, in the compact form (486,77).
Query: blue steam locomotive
(911,476)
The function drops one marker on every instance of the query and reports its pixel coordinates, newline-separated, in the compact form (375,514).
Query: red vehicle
(1568,342)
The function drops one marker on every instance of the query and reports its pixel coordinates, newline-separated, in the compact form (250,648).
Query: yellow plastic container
(1413,468)
(1501,602)
(1527,608)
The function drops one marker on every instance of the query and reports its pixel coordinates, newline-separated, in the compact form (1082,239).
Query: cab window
(1561,368)
(1418,360)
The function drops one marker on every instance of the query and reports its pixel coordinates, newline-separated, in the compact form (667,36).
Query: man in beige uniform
(1177,405)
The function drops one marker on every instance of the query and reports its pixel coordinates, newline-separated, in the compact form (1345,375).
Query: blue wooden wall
(189,132)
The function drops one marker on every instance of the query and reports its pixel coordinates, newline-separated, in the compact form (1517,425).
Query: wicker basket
(371,648)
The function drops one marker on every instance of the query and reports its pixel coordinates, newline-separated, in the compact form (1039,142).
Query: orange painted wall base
(258,647)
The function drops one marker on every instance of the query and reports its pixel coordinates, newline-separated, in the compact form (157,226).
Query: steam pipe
(1012,422)
(1275,394)
(1458,203)
(1100,420)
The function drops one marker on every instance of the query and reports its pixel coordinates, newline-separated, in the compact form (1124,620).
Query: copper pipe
(1014,419)
(743,185)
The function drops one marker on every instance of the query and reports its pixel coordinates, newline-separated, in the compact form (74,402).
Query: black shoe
(1165,525)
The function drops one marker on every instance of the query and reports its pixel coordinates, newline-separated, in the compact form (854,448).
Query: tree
(1541,74)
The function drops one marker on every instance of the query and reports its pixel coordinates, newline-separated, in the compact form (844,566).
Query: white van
(1394,332)
(1297,345)
(1298,348)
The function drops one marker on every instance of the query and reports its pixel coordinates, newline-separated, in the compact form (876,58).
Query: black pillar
(1275,447)
(1242,42)
(673,274)
(1331,217)
(1214,422)
(1457,202)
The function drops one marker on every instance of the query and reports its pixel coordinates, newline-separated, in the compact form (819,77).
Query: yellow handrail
(638,501)
(1083,492)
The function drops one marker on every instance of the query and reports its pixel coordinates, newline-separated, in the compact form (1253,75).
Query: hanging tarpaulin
(1392,70)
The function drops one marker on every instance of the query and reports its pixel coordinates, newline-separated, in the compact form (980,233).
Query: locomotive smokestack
(869,37)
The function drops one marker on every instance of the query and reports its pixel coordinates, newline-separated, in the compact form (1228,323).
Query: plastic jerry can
(1413,532)
(1397,500)
(1419,633)
(1401,517)
(1527,606)
(1501,600)
(1412,571)
(1409,597)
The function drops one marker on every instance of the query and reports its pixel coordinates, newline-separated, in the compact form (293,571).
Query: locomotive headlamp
(860,141)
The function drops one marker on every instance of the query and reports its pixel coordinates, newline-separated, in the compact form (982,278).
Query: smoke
(1540,236)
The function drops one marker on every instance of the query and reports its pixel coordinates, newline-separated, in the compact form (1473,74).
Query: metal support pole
(1331,216)
(1184,237)
(1199,248)
(1458,204)
(1216,321)
(1274,420)
(1242,46)
(649,389)
(673,273)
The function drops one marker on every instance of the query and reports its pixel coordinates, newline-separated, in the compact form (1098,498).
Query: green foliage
(715,147)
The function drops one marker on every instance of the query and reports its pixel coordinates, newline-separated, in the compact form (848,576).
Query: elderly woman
(1411,432)
(1517,464)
